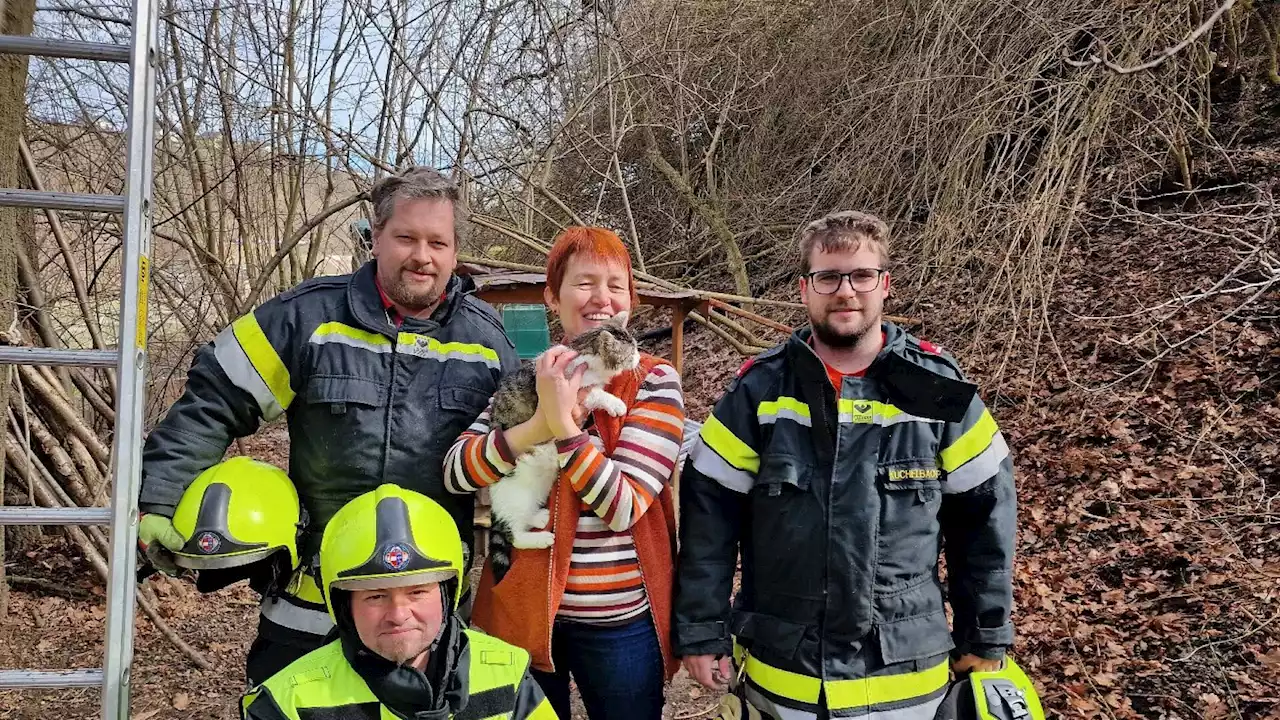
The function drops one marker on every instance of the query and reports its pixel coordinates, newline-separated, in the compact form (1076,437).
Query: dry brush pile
(1082,196)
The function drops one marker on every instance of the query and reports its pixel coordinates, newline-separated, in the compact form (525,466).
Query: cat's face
(610,345)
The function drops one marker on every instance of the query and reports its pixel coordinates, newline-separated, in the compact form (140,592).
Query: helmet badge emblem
(208,542)
(395,558)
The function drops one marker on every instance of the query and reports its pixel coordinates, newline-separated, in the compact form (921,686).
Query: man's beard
(404,652)
(410,297)
(833,338)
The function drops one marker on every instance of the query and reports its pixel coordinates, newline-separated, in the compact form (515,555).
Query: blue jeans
(618,670)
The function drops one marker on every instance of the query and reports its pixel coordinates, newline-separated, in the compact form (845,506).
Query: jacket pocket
(910,498)
(787,547)
(339,391)
(463,399)
(758,632)
(915,638)
(459,406)
(779,474)
(337,439)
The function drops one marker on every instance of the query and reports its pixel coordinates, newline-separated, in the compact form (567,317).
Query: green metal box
(527,327)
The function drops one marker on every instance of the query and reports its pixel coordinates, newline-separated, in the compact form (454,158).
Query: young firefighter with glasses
(838,464)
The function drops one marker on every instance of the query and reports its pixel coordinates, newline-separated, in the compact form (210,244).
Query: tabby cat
(518,501)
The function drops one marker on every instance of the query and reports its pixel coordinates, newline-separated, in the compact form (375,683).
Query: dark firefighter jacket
(841,507)
(367,403)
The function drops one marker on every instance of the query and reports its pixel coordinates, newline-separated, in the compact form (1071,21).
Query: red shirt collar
(392,313)
(835,376)
(396,318)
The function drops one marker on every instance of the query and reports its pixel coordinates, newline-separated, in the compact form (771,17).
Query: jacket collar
(913,387)
(434,694)
(366,305)
(800,350)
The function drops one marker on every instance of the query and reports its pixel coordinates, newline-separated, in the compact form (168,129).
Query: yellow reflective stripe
(867,411)
(264,358)
(728,446)
(971,444)
(543,711)
(883,689)
(409,342)
(770,408)
(783,683)
(336,328)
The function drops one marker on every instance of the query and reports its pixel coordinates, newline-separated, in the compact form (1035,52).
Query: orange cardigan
(522,608)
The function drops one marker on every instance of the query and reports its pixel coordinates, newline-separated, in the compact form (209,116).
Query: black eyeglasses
(828,282)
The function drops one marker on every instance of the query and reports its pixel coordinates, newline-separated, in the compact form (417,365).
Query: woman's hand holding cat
(558,391)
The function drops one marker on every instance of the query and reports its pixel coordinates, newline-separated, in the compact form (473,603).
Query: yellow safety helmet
(1004,694)
(237,513)
(390,537)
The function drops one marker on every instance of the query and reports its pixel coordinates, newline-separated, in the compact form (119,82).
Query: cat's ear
(620,320)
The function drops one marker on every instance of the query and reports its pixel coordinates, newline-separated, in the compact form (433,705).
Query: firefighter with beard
(391,568)
(376,372)
(839,464)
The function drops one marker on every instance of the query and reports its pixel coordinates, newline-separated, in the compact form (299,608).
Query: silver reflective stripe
(709,463)
(286,614)
(768,707)
(924,711)
(431,349)
(784,414)
(318,339)
(978,470)
(886,421)
(235,363)
(905,418)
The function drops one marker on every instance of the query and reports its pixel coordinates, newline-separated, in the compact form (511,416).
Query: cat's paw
(541,518)
(538,540)
(599,399)
(612,405)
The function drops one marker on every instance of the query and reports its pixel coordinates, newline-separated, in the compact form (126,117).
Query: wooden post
(677,338)
(677,359)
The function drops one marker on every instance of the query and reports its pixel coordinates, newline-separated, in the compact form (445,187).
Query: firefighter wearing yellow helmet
(239,519)
(391,564)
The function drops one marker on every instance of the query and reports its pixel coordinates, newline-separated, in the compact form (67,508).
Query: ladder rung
(12,355)
(57,47)
(42,200)
(14,679)
(28,515)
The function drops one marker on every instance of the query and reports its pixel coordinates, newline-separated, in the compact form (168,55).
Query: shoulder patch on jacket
(483,310)
(754,361)
(932,356)
(764,357)
(316,283)
(312,675)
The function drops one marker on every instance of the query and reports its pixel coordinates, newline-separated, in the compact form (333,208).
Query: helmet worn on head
(1004,694)
(238,513)
(390,537)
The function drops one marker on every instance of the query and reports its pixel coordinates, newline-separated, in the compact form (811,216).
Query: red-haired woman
(597,604)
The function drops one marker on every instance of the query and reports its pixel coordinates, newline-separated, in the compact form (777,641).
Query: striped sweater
(604,584)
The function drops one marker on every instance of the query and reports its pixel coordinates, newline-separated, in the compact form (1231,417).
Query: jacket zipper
(826,554)
(391,383)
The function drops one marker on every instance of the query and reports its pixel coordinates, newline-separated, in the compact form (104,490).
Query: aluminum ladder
(129,358)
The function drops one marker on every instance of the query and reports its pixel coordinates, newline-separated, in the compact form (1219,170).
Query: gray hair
(843,230)
(416,183)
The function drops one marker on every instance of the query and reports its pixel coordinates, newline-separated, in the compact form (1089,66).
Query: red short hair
(589,243)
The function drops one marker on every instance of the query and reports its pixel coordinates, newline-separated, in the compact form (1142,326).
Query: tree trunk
(18,17)
(710,214)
